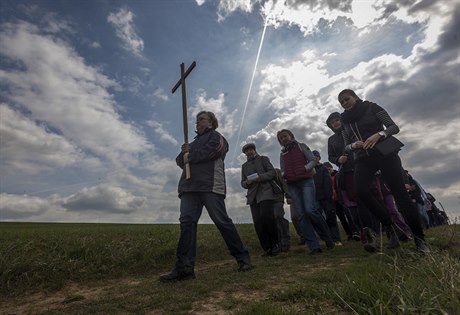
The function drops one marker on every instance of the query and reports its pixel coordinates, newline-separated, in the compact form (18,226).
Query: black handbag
(388,146)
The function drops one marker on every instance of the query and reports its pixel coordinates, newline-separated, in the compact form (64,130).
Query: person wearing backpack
(256,174)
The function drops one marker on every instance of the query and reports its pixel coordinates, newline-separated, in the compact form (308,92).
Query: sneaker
(356,236)
(176,275)
(370,243)
(315,251)
(338,243)
(244,266)
(421,245)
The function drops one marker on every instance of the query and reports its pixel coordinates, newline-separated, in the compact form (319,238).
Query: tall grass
(47,258)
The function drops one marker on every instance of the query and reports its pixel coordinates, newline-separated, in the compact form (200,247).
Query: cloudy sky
(90,129)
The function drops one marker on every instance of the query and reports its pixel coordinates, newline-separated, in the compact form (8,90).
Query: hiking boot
(421,245)
(369,239)
(393,240)
(315,251)
(176,275)
(244,266)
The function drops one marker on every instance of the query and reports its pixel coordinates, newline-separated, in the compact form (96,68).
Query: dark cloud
(423,5)
(449,39)
(433,90)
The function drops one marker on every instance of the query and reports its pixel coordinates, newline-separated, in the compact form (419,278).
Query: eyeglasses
(200,119)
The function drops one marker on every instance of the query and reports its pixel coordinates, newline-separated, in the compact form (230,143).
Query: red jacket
(294,162)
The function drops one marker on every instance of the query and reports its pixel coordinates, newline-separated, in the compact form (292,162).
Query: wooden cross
(183,75)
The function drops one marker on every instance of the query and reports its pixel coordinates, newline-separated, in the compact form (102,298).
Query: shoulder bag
(388,146)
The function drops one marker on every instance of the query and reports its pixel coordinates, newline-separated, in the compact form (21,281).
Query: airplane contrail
(250,88)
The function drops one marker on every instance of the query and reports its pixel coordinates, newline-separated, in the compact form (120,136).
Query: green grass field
(114,269)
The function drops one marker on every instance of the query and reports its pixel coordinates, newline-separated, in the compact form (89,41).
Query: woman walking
(363,127)
(297,164)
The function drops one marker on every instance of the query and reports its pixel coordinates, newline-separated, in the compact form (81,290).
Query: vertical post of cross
(183,75)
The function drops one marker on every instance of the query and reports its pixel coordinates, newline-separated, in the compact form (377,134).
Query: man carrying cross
(205,187)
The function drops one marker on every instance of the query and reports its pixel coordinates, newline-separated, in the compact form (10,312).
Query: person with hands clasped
(365,124)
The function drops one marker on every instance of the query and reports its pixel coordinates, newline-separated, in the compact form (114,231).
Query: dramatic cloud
(89,132)
(57,87)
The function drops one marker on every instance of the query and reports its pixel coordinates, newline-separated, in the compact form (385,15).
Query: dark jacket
(282,183)
(260,190)
(364,120)
(323,183)
(335,149)
(206,157)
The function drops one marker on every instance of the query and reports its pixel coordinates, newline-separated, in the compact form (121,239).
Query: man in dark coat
(256,174)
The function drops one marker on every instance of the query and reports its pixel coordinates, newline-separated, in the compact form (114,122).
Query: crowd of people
(370,192)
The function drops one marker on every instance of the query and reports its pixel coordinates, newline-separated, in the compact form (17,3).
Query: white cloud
(226,7)
(57,87)
(31,208)
(160,94)
(123,21)
(161,132)
(20,136)
(227,124)
(105,199)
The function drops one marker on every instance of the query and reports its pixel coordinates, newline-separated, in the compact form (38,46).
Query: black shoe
(244,266)
(301,242)
(285,248)
(315,251)
(370,244)
(177,276)
(330,245)
(276,250)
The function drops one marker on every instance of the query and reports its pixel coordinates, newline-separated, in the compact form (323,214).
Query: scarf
(354,114)
(288,146)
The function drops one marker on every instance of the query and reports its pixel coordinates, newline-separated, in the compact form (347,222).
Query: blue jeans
(191,207)
(310,218)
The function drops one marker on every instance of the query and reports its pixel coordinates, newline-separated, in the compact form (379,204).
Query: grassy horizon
(96,268)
